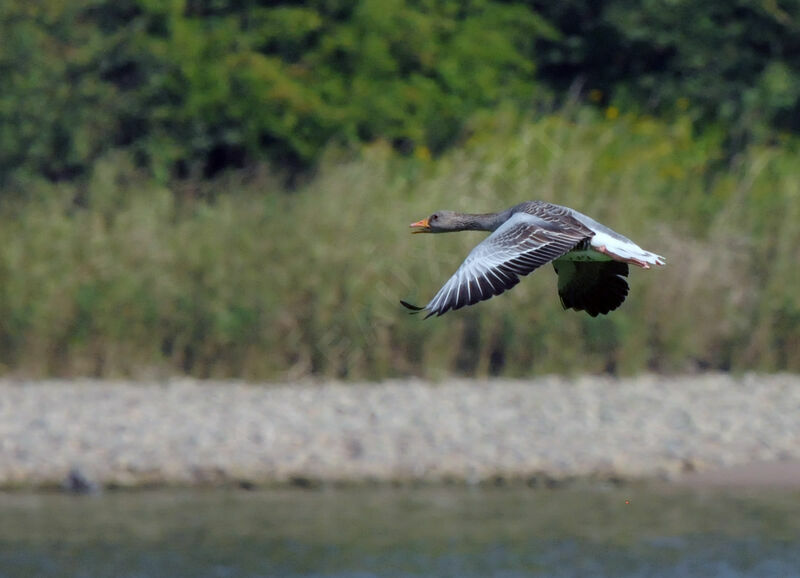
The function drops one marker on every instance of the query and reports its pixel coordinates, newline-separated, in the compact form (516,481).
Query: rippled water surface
(516,532)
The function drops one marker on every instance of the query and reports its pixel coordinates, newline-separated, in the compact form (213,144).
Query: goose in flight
(590,259)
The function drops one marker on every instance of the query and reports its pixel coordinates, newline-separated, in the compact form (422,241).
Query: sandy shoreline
(187,432)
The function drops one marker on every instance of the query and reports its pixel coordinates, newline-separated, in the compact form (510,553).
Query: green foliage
(125,127)
(192,88)
(732,62)
(54,107)
(261,284)
(195,88)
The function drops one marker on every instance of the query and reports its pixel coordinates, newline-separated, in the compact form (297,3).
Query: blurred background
(223,188)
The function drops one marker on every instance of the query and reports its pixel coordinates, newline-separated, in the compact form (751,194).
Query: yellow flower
(612,112)
(422,153)
(595,95)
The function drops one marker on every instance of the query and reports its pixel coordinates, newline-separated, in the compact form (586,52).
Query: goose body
(590,259)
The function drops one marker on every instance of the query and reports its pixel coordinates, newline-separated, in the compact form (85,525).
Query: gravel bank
(190,432)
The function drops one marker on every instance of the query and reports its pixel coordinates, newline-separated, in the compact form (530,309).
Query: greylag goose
(590,259)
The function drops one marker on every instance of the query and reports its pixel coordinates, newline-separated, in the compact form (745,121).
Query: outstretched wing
(518,247)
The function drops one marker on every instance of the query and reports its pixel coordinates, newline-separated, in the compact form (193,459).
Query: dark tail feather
(414,308)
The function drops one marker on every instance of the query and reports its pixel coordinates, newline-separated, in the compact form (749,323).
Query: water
(359,533)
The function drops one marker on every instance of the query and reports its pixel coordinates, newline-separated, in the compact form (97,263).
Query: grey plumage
(525,237)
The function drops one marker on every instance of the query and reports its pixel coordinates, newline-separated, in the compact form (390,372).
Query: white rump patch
(624,249)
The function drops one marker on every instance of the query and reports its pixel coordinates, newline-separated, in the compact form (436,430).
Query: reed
(258,282)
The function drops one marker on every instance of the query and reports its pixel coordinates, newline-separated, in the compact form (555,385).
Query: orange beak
(422,226)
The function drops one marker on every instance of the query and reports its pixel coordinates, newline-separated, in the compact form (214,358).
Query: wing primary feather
(485,284)
(414,308)
(476,290)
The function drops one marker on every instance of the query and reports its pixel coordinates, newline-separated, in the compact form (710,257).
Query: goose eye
(434,217)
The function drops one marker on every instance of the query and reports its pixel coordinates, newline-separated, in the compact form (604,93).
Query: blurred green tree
(733,62)
(193,87)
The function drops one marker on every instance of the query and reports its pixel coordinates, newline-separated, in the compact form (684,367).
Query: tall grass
(258,282)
